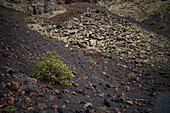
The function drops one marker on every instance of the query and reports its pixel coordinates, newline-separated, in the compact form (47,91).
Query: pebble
(126,106)
(117,110)
(127,88)
(151,103)
(11,100)
(57,91)
(80,91)
(148,110)
(28,91)
(54,106)
(27,100)
(49,87)
(15,85)
(109,95)
(11,71)
(129,102)
(67,101)
(41,95)
(60,96)
(107,102)
(115,100)
(108,86)
(60,110)
(73,93)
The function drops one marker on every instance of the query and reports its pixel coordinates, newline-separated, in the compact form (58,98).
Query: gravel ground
(111,84)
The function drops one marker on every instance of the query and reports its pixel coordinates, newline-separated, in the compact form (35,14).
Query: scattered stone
(148,110)
(11,71)
(101,95)
(76,84)
(73,93)
(107,102)
(88,104)
(129,102)
(49,87)
(117,110)
(60,110)
(66,91)
(8,85)
(108,86)
(60,96)
(41,95)
(67,101)
(11,100)
(52,97)
(116,89)
(109,95)
(126,106)
(2,74)
(27,101)
(80,91)
(28,91)
(15,85)
(115,100)
(57,91)
(54,106)
(42,106)
(127,88)
(30,109)
(31,94)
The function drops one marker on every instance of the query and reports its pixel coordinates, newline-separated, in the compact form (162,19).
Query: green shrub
(131,75)
(153,23)
(10,109)
(30,21)
(120,74)
(162,26)
(46,38)
(50,67)
(102,109)
(92,61)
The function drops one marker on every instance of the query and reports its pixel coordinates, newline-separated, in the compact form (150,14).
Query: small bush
(153,23)
(120,74)
(46,38)
(30,21)
(102,109)
(92,61)
(50,67)
(131,75)
(10,109)
(162,26)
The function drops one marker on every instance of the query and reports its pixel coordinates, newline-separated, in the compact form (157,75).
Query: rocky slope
(106,32)
(119,66)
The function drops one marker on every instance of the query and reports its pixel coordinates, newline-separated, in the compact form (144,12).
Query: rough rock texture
(139,10)
(105,32)
(36,7)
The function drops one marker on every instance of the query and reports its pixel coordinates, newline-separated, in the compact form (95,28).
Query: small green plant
(131,75)
(92,61)
(30,21)
(102,109)
(153,23)
(150,76)
(47,38)
(50,67)
(10,109)
(162,26)
(120,74)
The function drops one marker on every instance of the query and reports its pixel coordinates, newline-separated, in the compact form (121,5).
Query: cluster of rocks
(109,33)
(139,10)
(35,7)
